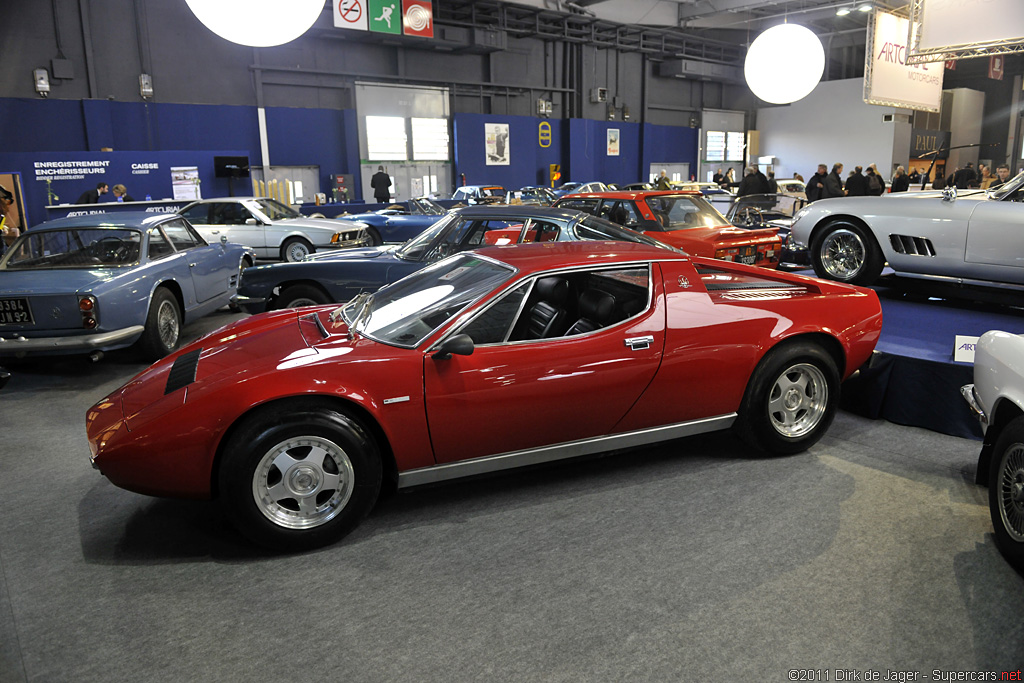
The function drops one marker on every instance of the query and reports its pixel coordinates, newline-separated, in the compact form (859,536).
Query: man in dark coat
(816,184)
(93,196)
(833,183)
(754,182)
(381,184)
(963,177)
(875,183)
(857,184)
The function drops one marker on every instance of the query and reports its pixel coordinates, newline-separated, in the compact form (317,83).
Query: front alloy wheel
(842,255)
(1006,492)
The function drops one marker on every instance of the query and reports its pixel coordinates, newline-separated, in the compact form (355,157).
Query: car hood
(54,280)
(357,254)
(259,346)
(305,222)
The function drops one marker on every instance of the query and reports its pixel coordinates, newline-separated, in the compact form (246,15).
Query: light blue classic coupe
(90,284)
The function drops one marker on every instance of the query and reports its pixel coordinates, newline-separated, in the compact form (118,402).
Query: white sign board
(963,351)
(496,149)
(185,182)
(888,80)
(350,14)
(963,22)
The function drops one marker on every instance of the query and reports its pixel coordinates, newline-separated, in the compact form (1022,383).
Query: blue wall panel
(588,152)
(41,125)
(669,144)
(528,161)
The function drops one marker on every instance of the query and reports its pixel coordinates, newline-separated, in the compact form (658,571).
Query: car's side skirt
(953,280)
(562,451)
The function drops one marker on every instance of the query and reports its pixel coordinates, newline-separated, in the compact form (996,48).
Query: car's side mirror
(949,193)
(251,221)
(460,344)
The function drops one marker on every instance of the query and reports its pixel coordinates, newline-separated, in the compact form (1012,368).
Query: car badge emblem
(684,283)
(56,312)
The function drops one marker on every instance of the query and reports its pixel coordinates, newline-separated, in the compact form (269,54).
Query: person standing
(1002,175)
(754,182)
(986,176)
(816,184)
(833,183)
(876,186)
(93,196)
(717,178)
(120,193)
(963,177)
(900,181)
(381,184)
(729,180)
(773,185)
(857,184)
(662,182)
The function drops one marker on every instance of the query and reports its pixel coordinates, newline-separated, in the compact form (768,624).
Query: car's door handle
(192,265)
(640,343)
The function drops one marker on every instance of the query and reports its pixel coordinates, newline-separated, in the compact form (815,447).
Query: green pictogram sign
(385,16)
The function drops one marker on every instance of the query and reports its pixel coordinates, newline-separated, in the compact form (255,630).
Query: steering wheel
(110,248)
(750,215)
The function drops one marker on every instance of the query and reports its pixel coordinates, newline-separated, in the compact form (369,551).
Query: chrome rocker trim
(21,344)
(562,451)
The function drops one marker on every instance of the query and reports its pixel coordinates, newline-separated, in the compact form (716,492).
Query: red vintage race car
(484,361)
(685,220)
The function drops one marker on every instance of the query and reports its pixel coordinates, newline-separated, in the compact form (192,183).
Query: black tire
(1006,492)
(375,239)
(301,295)
(791,399)
(163,326)
(846,252)
(295,249)
(324,451)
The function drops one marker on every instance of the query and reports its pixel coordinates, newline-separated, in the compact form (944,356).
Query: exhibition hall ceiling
(743,15)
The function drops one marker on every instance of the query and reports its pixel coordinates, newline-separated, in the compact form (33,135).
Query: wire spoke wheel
(843,254)
(303,482)
(168,327)
(1010,491)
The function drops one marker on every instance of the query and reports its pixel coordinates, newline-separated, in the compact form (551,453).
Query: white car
(271,229)
(973,238)
(997,398)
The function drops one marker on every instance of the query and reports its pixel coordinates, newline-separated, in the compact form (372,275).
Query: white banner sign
(964,22)
(888,80)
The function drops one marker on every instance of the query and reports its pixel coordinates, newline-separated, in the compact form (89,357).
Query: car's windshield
(598,229)
(406,312)
(1007,188)
(414,249)
(764,206)
(275,210)
(426,207)
(682,212)
(90,247)
(492,192)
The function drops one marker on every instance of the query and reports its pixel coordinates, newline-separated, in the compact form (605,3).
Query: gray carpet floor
(694,560)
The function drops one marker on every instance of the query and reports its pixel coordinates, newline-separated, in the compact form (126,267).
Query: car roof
(634,194)
(228,199)
(138,220)
(542,256)
(517,211)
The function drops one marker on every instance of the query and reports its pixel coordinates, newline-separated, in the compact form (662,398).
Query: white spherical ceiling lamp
(259,23)
(784,63)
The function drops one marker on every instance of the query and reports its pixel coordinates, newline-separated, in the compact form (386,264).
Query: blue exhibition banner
(60,178)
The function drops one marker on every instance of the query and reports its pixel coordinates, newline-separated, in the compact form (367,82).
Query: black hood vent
(183,372)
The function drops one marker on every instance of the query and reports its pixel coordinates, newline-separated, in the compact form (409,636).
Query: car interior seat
(548,315)
(596,311)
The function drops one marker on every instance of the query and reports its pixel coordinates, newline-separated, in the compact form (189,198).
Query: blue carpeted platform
(912,378)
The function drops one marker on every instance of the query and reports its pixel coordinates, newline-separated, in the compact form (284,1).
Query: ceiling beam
(701,8)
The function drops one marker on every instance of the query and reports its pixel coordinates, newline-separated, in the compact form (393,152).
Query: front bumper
(967,391)
(364,241)
(79,342)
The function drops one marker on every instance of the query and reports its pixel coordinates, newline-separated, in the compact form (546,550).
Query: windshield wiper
(361,302)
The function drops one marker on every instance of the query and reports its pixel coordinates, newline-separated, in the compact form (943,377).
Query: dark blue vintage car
(101,282)
(341,276)
(397,224)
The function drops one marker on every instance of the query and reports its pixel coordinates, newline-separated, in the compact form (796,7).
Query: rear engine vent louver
(183,372)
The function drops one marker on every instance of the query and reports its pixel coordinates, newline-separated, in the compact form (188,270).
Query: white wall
(832,124)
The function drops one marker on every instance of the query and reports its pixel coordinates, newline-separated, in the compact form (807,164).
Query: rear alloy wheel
(845,252)
(301,478)
(1006,492)
(163,326)
(295,249)
(791,399)
(301,295)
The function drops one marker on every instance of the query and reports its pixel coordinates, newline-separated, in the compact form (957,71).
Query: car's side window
(179,235)
(199,214)
(541,231)
(566,304)
(159,247)
(588,205)
(229,213)
(621,212)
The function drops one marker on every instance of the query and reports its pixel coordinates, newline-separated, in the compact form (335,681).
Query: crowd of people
(862,182)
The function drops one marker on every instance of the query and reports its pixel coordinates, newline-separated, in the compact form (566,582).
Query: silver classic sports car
(974,238)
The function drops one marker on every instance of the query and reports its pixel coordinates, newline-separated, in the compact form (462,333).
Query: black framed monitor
(231,167)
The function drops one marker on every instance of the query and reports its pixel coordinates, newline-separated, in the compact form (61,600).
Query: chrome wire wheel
(843,254)
(1010,493)
(798,400)
(303,482)
(167,324)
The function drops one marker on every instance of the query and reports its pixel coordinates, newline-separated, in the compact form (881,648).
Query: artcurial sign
(888,80)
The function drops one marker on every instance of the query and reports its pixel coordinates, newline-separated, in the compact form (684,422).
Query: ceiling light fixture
(258,23)
(843,11)
(864,8)
(790,44)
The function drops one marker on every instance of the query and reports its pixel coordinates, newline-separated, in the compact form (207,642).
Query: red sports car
(484,361)
(685,220)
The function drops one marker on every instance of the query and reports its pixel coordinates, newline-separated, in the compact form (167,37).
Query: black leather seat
(548,316)
(596,311)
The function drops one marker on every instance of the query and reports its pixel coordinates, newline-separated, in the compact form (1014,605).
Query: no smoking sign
(350,14)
